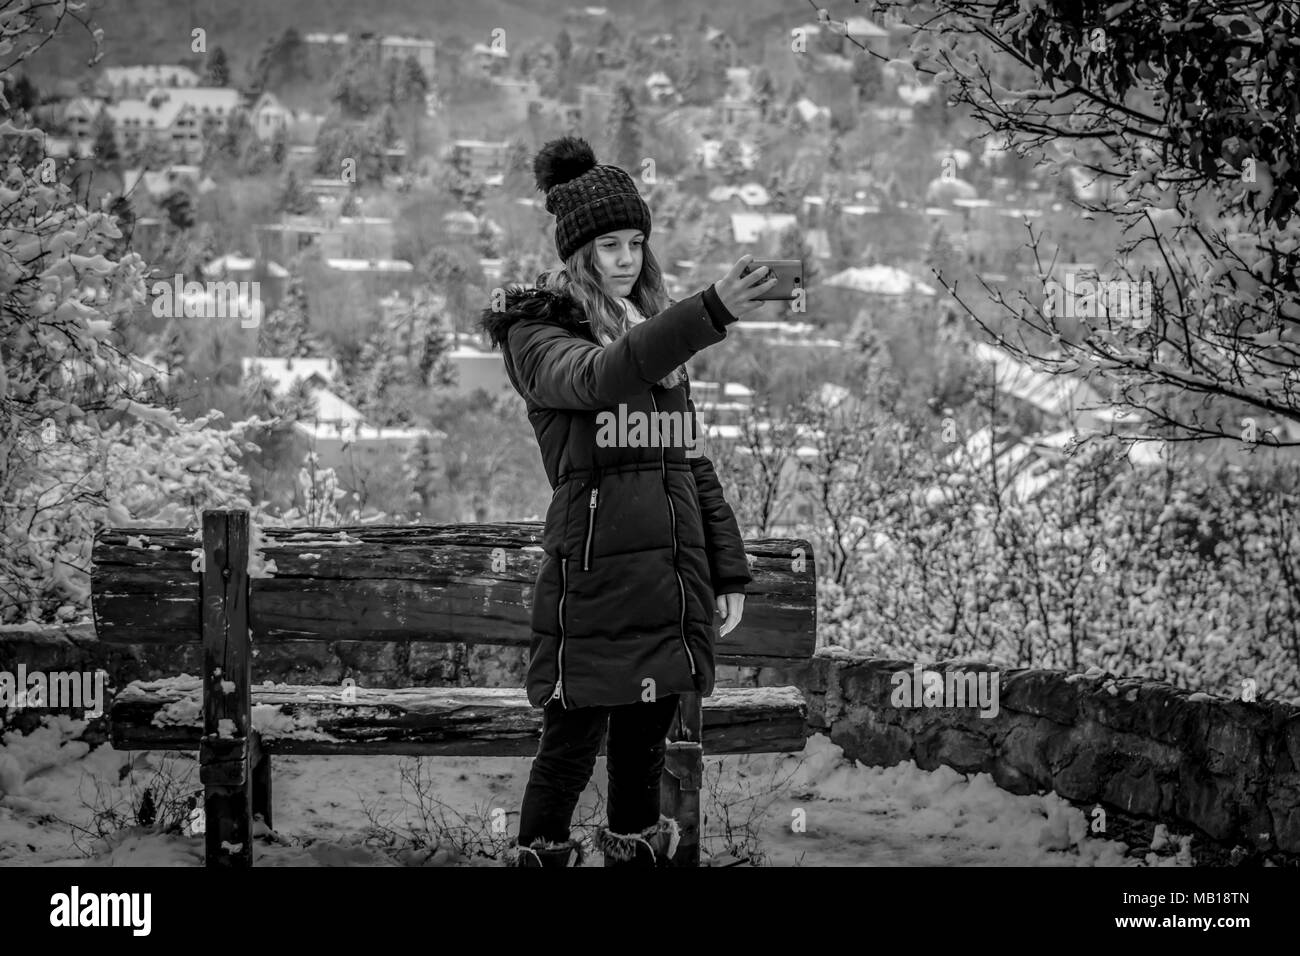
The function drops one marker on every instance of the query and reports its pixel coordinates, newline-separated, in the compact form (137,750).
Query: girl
(639,544)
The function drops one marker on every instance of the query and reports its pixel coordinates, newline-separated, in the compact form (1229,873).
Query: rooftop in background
(879,280)
(859,28)
(284,372)
(1061,395)
(751,194)
(358,434)
(370,265)
(749,226)
(154,74)
(233,262)
(406,41)
(480,143)
(333,408)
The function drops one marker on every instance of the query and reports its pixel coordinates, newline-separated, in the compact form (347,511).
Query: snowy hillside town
(982,547)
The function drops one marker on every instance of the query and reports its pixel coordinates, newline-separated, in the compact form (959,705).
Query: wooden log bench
(449,583)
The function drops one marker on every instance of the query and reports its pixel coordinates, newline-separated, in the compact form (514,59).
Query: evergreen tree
(793,245)
(286,332)
(294,197)
(23,95)
(763,91)
(339,140)
(636,56)
(628,149)
(464,186)
(105,142)
(713,234)
(198,250)
(519,167)
(730,164)
(279,146)
(180,209)
(280,60)
(835,155)
(423,470)
(512,268)
(609,38)
(689,82)
(940,255)
(485,241)
(795,122)
(360,86)
(406,352)
(453,274)
(120,208)
(218,69)
(797,90)
(413,86)
(386,126)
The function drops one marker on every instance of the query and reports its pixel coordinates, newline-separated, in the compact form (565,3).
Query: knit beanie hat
(586,198)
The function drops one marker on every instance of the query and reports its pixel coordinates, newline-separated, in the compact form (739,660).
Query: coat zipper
(672,517)
(559,655)
(591,526)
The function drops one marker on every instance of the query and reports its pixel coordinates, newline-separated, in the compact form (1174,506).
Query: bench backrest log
(468,583)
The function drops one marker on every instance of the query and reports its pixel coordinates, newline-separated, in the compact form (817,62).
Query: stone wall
(1224,769)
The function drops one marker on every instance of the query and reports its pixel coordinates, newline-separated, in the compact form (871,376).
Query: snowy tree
(404,354)
(82,442)
(1179,135)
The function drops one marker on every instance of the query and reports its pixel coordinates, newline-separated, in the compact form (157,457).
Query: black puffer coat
(637,540)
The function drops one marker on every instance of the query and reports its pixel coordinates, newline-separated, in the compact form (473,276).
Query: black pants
(566,757)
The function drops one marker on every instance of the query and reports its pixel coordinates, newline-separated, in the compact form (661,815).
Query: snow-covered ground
(814,808)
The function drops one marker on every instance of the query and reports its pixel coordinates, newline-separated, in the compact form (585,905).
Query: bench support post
(679,787)
(225,750)
(261,768)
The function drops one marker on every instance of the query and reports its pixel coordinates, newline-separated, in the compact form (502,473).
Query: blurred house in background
(132,82)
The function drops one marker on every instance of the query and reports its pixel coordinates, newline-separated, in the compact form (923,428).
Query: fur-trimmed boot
(653,846)
(549,853)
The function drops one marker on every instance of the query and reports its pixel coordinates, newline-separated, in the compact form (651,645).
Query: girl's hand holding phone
(739,292)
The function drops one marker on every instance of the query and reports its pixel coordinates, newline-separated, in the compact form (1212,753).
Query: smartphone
(789,278)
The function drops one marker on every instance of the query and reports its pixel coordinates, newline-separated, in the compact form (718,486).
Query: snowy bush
(1172,573)
(83,444)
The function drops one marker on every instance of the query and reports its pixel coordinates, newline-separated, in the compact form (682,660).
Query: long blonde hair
(581,279)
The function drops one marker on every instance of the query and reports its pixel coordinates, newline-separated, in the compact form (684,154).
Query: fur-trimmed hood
(534,302)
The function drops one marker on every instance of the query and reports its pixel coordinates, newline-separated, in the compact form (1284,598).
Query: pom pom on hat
(562,160)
